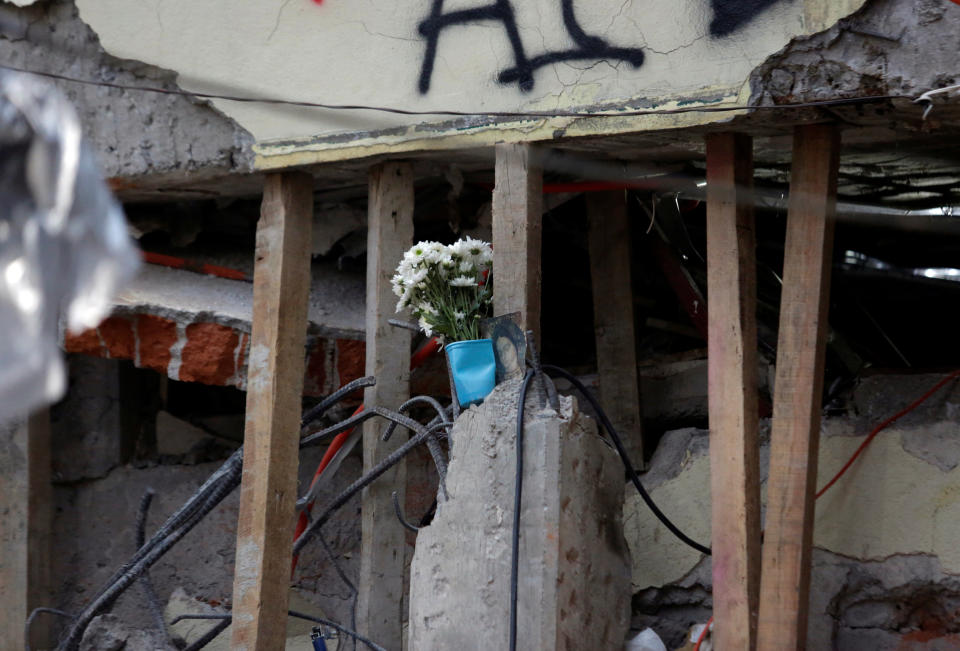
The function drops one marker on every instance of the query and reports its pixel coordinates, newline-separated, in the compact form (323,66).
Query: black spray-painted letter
(587,47)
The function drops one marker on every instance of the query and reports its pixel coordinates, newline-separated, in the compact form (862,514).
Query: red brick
(156,335)
(117,334)
(85,343)
(315,381)
(351,360)
(351,364)
(207,356)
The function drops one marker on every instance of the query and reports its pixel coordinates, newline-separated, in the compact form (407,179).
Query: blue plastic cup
(474,369)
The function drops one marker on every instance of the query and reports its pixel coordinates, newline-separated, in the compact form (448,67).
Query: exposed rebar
(400,516)
(319,409)
(153,601)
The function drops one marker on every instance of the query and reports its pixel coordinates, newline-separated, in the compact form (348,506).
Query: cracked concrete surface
(372,54)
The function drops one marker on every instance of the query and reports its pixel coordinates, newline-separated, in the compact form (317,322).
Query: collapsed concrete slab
(574,565)
(196,328)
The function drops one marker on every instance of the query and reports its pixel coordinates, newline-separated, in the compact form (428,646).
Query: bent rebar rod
(33,615)
(317,411)
(399,511)
(210,494)
(132,570)
(388,462)
(433,444)
(153,601)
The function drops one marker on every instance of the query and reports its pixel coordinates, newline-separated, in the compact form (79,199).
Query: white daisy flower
(425,326)
(463,281)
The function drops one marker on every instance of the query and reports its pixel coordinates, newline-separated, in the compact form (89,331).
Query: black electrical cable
(517,494)
(613,113)
(626,460)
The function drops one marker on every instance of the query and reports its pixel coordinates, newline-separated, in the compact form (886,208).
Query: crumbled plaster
(884,535)
(887,47)
(134,133)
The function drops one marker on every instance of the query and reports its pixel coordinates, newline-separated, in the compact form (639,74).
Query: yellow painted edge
(274,155)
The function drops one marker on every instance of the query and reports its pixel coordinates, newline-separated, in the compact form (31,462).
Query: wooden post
(281,286)
(785,583)
(613,317)
(25,512)
(732,346)
(383,545)
(517,234)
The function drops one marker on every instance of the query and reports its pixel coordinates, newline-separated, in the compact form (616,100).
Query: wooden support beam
(732,372)
(25,520)
(795,436)
(383,545)
(281,287)
(517,233)
(609,242)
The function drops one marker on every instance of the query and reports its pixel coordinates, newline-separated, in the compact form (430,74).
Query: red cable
(197,267)
(703,635)
(882,426)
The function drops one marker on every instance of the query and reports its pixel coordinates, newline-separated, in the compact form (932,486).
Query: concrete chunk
(574,564)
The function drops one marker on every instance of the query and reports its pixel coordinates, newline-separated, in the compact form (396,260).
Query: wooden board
(517,234)
(383,545)
(732,372)
(281,286)
(25,512)
(613,328)
(785,585)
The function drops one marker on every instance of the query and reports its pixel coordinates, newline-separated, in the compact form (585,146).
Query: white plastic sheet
(64,248)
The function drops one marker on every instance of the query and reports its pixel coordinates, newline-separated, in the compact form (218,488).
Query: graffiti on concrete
(731,15)
(728,16)
(586,47)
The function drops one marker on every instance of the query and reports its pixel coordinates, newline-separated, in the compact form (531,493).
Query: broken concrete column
(574,565)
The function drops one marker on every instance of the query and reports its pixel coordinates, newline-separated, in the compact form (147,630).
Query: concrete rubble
(885,563)
(573,559)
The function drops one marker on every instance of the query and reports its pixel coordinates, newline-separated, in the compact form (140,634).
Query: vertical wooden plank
(281,286)
(25,512)
(383,545)
(732,345)
(785,583)
(609,242)
(517,233)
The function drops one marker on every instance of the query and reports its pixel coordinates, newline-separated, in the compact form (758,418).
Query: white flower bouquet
(448,288)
